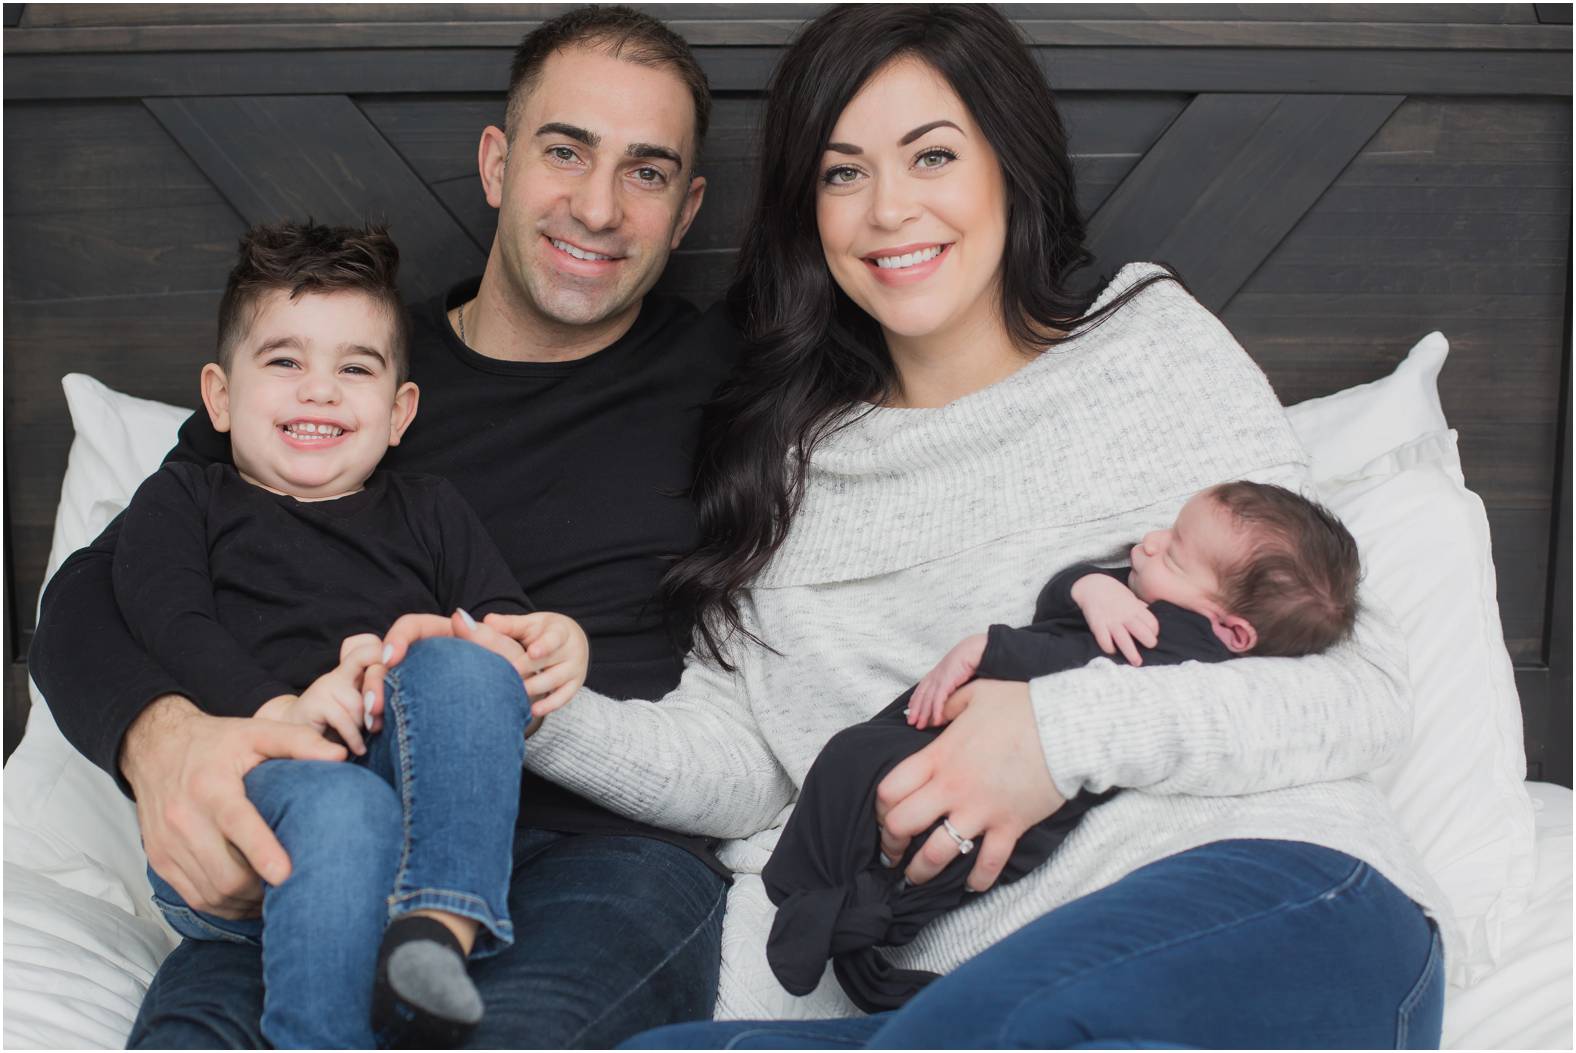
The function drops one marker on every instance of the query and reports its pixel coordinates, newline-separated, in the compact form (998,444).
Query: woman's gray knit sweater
(920,527)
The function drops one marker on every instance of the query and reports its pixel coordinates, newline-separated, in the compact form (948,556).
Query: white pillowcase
(1459,791)
(1344,431)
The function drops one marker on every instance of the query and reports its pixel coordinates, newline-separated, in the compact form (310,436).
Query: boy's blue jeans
(1237,944)
(425,820)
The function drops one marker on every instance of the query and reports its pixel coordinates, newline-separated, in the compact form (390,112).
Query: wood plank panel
(289,157)
(62,157)
(1230,177)
(738,68)
(281,31)
(114,252)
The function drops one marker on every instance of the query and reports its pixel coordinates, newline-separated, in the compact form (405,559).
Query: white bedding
(82,941)
(76,965)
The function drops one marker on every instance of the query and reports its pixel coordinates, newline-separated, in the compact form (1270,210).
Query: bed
(1333,181)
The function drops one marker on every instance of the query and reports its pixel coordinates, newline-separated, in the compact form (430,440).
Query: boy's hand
(559,654)
(952,672)
(1116,616)
(334,700)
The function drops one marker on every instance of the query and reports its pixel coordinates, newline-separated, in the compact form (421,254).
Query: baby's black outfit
(834,897)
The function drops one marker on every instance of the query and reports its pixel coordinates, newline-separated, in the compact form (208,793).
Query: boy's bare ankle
(464,929)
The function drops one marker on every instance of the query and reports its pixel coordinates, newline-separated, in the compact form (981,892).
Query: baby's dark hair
(312,258)
(1297,586)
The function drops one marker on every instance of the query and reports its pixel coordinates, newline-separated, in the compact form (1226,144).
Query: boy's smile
(310,399)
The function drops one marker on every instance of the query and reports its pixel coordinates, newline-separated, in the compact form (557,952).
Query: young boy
(258,586)
(1247,568)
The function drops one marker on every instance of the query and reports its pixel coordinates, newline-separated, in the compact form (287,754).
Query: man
(563,402)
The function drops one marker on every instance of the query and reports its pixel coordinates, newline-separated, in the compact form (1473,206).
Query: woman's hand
(985,773)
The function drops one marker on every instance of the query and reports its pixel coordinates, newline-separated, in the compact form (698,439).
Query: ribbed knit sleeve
(1227,728)
(694,761)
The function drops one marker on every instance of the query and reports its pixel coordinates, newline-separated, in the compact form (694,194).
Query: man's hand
(1116,616)
(334,700)
(201,833)
(952,672)
(985,773)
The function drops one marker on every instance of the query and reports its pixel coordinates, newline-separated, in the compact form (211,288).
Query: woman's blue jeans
(423,821)
(1265,944)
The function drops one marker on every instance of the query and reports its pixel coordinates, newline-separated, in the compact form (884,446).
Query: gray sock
(433,978)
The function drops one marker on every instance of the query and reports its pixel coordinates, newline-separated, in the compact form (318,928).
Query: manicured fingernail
(388,652)
(465,616)
(366,710)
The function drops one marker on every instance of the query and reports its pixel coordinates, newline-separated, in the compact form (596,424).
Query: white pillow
(1459,791)
(1344,431)
(64,816)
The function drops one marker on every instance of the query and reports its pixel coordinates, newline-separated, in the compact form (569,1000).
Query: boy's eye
(287,362)
(360,371)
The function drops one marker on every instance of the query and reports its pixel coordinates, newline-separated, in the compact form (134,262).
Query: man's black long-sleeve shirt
(579,470)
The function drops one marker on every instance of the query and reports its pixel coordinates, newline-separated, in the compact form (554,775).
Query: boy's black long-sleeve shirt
(243,594)
(835,899)
(579,471)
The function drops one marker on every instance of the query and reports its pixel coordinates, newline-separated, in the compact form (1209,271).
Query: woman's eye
(934,158)
(842,175)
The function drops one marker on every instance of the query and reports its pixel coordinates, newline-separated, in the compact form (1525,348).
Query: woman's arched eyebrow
(922,129)
(850,148)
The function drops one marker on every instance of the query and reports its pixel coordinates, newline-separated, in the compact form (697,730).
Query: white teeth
(908,259)
(308,430)
(577,253)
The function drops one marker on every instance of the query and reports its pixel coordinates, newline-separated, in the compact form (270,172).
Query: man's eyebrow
(653,152)
(922,129)
(573,131)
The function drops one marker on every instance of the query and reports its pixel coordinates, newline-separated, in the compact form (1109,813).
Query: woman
(928,425)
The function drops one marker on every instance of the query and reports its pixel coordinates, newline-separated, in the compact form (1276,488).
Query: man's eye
(561,153)
(650,175)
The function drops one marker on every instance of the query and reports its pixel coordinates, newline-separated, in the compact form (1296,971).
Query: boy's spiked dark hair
(312,258)
(1298,585)
(623,33)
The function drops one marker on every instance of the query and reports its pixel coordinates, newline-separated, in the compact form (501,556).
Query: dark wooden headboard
(1334,180)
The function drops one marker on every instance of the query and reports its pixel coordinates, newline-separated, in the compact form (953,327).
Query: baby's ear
(1238,636)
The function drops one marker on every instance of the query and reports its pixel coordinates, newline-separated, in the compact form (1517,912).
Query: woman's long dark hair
(811,354)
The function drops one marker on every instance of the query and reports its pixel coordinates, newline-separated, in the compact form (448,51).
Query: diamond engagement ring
(965,844)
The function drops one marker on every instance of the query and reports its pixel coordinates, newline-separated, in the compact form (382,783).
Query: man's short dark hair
(1298,585)
(311,258)
(623,33)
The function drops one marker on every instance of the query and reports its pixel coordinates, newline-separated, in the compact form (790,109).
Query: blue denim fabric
(423,821)
(1238,944)
(614,935)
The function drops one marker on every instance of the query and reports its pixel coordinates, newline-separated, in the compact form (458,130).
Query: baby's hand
(1116,616)
(559,653)
(951,673)
(333,701)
